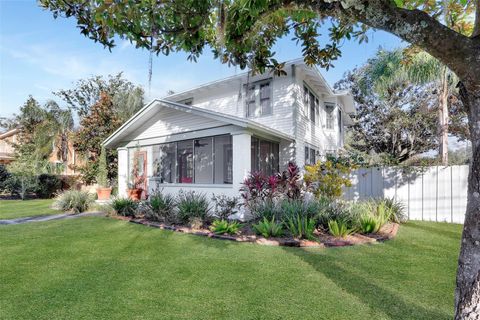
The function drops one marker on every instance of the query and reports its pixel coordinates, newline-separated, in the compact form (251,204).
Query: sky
(40,55)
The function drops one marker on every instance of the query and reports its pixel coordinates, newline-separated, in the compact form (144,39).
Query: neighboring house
(210,137)
(9,138)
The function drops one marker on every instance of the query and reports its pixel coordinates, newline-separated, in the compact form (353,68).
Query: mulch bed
(388,231)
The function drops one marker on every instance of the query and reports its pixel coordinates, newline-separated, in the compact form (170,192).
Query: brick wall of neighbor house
(6,149)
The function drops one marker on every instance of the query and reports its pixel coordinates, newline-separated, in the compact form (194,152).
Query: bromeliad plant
(339,228)
(225,226)
(268,228)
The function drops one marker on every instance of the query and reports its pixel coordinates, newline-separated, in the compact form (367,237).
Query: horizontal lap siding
(170,121)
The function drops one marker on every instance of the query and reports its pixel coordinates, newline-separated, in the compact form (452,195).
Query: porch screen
(265,156)
(203,161)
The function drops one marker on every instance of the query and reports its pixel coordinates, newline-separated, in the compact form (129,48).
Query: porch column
(241,145)
(122,172)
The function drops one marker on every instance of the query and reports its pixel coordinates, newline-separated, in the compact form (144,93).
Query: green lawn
(100,268)
(11,209)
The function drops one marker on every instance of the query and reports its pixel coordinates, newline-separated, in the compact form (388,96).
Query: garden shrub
(4,176)
(224,226)
(266,209)
(47,186)
(337,210)
(397,210)
(328,178)
(125,207)
(268,228)
(193,205)
(300,226)
(74,201)
(339,228)
(225,206)
(161,207)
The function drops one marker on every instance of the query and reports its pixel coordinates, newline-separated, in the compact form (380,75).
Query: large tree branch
(458,52)
(476,27)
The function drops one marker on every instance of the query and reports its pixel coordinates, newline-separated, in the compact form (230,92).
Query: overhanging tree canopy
(243,32)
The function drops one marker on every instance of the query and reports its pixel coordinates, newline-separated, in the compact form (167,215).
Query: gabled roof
(313,74)
(143,115)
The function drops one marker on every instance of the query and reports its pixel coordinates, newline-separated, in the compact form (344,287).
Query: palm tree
(392,68)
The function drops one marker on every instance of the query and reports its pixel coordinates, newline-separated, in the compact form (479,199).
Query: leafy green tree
(244,32)
(392,127)
(95,127)
(127,98)
(393,68)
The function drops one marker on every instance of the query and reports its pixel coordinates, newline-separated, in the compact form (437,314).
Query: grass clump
(74,201)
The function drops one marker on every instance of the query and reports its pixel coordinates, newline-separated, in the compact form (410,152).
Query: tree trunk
(467,294)
(443,118)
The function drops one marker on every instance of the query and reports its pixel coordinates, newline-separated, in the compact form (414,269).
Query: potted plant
(103,190)
(135,186)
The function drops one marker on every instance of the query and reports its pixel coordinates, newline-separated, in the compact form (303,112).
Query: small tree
(102,177)
(328,178)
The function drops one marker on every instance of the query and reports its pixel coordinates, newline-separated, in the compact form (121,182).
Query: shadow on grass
(437,230)
(376,297)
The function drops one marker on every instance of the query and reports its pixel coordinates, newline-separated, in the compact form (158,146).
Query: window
(223,160)
(265,156)
(340,124)
(310,156)
(204,160)
(259,99)
(311,103)
(185,161)
(329,108)
(164,162)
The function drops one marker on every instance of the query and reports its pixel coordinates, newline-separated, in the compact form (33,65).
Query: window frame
(330,116)
(213,159)
(314,116)
(275,158)
(257,97)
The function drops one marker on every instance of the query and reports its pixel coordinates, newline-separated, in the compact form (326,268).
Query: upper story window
(329,109)
(311,102)
(259,99)
(340,124)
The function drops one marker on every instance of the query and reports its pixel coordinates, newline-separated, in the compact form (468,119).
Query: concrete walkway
(49,217)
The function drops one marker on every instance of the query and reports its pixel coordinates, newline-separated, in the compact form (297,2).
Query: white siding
(170,121)
(229,98)
(309,133)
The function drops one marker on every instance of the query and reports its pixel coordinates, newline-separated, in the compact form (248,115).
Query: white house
(210,137)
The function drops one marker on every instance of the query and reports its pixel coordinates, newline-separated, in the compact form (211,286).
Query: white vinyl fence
(432,194)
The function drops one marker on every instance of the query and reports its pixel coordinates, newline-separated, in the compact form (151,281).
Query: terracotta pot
(104,193)
(135,194)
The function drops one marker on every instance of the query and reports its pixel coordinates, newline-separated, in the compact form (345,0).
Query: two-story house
(210,137)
